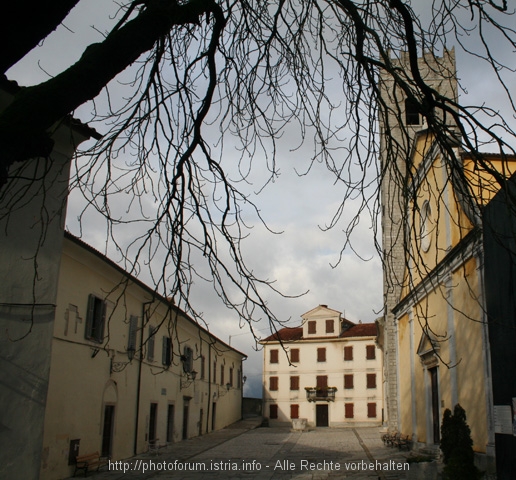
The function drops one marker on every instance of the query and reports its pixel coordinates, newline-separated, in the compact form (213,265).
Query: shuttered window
(166,353)
(294,411)
(348,381)
(370,352)
(348,410)
(294,355)
(273,411)
(95,319)
(371,410)
(371,380)
(348,353)
(133,329)
(274,356)
(273,384)
(294,383)
(321,354)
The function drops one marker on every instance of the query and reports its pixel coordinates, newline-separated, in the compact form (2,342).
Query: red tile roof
(293,334)
(361,330)
(286,335)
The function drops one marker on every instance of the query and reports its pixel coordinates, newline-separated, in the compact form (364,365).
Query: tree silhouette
(249,71)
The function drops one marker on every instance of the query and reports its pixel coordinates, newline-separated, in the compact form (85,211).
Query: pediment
(428,344)
(320,311)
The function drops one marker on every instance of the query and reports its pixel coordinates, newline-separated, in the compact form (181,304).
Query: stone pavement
(244,451)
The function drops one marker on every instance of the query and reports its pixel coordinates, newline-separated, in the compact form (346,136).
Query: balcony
(315,394)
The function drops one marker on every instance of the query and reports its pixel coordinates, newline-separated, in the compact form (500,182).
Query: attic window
(330,326)
(412,116)
(312,326)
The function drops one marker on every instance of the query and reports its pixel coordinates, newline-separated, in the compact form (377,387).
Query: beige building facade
(327,371)
(129,370)
(436,322)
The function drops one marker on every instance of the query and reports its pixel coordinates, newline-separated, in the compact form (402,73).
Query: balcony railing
(314,394)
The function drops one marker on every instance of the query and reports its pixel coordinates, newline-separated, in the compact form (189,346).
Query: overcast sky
(300,258)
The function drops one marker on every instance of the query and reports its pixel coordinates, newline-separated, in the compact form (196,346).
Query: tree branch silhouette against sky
(208,108)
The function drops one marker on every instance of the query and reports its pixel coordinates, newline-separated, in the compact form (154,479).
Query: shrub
(457,446)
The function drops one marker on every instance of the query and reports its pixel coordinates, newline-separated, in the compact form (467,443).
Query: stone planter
(299,424)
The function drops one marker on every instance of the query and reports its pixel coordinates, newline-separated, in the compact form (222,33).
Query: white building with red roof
(327,371)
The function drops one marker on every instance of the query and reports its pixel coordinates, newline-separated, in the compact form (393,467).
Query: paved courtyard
(246,452)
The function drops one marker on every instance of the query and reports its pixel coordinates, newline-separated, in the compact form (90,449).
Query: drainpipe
(138,388)
(209,387)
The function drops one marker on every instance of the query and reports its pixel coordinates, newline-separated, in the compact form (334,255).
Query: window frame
(273,411)
(369,355)
(274,355)
(166,353)
(294,358)
(294,382)
(273,384)
(321,354)
(330,326)
(348,349)
(95,319)
(294,410)
(371,380)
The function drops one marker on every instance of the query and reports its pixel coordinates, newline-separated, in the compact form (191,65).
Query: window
(150,343)
(412,112)
(95,319)
(230,377)
(330,326)
(312,326)
(371,410)
(203,366)
(239,378)
(214,372)
(274,357)
(294,411)
(348,381)
(187,359)
(166,356)
(222,374)
(426,231)
(348,410)
(371,380)
(273,411)
(133,329)
(294,355)
(321,354)
(273,384)
(322,385)
(370,352)
(348,353)
(294,383)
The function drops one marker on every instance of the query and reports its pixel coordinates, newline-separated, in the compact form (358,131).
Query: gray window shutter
(150,345)
(89,316)
(133,327)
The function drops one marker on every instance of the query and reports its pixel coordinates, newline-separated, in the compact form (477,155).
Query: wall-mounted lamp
(119,366)
(186,381)
(244,378)
(223,391)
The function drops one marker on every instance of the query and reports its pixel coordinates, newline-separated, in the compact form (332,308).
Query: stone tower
(399,124)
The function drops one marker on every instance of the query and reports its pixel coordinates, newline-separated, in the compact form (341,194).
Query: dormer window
(330,326)
(312,327)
